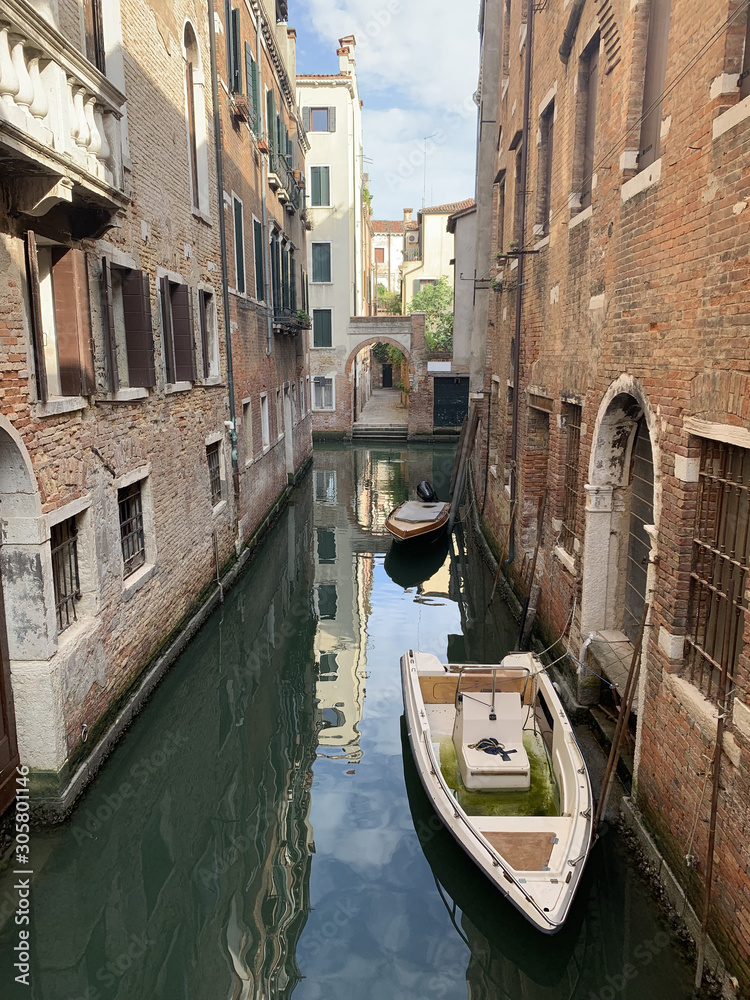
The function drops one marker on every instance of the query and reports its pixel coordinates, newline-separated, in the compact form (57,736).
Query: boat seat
(482,770)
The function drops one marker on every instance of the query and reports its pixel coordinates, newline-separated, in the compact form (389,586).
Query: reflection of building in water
(343,580)
(346,540)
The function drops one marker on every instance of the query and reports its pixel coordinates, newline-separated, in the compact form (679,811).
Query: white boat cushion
(507,729)
(413,511)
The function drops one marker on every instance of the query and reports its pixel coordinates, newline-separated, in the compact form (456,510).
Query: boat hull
(535,862)
(417,532)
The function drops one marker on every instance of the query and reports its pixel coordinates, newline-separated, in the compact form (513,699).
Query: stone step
(394,432)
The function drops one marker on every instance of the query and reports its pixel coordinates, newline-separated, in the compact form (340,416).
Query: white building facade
(428,249)
(332,116)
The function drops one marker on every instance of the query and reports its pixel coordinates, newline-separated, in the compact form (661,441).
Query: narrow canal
(261,833)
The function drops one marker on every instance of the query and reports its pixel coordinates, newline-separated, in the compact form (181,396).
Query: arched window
(195,119)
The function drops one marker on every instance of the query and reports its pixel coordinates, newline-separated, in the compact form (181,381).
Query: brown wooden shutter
(37,333)
(73,322)
(109,326)
(139,335)
(166,322)
(182,332)
(592,89)
(203,322)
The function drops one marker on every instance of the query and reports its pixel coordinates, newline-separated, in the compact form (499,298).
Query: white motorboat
(500,763)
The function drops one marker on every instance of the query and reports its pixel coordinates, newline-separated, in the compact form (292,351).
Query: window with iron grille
(64,540)
(132,537)
(572,414)
(721,556)
(214,472)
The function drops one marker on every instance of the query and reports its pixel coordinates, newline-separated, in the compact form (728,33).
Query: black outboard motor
(426,493)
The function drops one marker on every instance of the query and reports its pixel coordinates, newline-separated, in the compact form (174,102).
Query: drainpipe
(584,648)
(520,270)
(223,241)
(263,180)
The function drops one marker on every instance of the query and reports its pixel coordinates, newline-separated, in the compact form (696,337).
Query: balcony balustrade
(60,120)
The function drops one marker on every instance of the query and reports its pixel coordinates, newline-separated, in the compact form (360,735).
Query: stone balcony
(61,130)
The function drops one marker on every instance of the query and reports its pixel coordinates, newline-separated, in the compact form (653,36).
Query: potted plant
(303,319)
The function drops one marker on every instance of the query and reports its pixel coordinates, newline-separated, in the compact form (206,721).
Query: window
(177,326)
(94,31)
(324,490)
(572,414)
(260,276)
(264,425)
(653,82)
(253,90)
(132,536)
(744,79)
(328,667)
(322,393)
(380,255)
(234,60)
(276,292)
(518,195)
(544,169)
(588,88)
(279,414)
(214,472)
(208,332)
(322,328)
(321,262)
(128,333)
(320,186)
(195,118)
(327,601)
(721,558)
(60,320)
(500,209)
(326,546)
(319,119)
(239,246)
(247,430)
(64,541)
(301,398)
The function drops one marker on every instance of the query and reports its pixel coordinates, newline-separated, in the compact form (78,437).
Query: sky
(417,67)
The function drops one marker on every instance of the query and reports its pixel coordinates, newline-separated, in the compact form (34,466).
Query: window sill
(315,347)
(541,244)
(124,396)
(323,409)
(731,118)
(62,404)
(566,559)
(249,462)
(133,583)
(172,387)
(321,282)
(80,629)
(648,177)
(203,216)
(582,216)
(220,508)
(210,382)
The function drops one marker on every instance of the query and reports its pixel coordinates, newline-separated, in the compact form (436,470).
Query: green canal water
(260,832)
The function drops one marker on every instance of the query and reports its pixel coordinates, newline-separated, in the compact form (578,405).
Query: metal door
(450,400)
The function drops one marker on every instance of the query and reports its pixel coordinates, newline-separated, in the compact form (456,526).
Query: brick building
(121,493)
(617,384)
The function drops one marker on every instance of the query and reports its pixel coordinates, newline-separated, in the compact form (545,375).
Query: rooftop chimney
(408,214)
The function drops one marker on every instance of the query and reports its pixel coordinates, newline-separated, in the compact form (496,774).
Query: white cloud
(417,65)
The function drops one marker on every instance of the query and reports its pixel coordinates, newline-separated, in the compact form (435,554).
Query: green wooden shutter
(271,120)
(306,119)
(331,119)
(260,280)
(249,71)
(255,83)
(236,51)
(315,178)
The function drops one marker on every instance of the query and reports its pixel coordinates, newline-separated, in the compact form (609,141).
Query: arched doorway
(621,514)
(379,409)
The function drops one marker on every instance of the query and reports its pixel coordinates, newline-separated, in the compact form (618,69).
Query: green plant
(388,302)
(303,317)
(436,301)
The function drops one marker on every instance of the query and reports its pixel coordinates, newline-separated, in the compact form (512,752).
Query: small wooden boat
(421,521)
(499,761)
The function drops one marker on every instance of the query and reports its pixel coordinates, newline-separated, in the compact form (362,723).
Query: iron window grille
(721,556)
(64,538)
(572,413)
(132,536)
(214,472)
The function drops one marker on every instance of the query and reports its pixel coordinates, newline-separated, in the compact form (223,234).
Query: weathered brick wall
(649,287)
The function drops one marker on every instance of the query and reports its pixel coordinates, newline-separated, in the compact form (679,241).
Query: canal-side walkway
(382,415)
